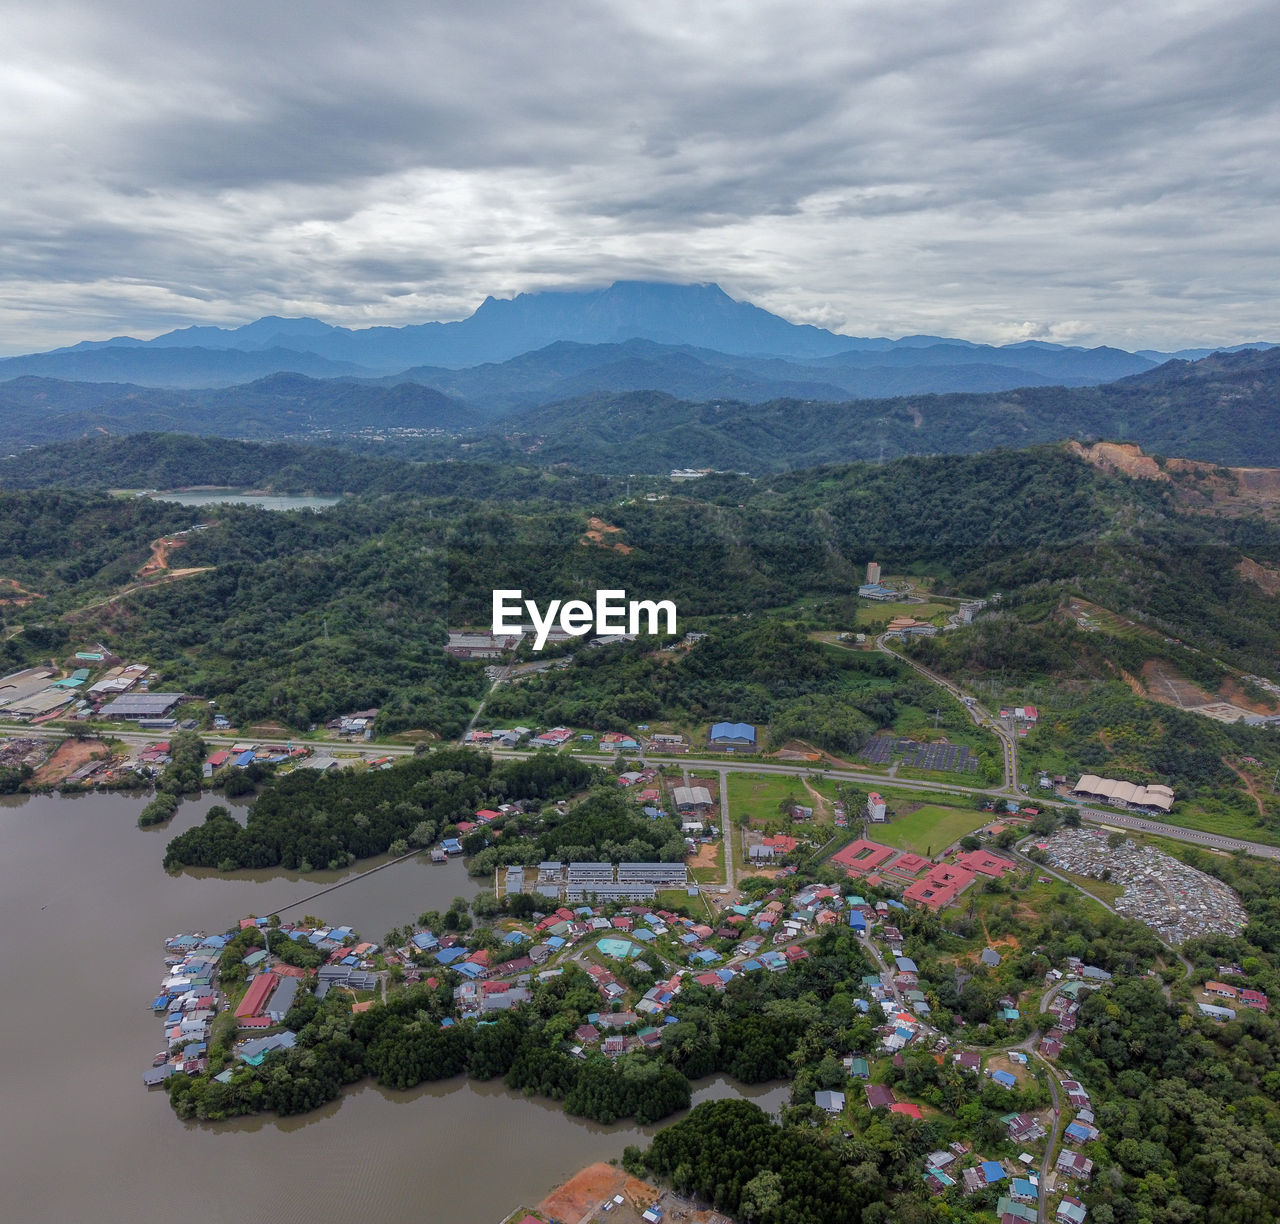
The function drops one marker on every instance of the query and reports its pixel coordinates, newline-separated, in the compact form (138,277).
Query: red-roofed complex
(982,862)
(781,843)
(940,887)
(255,998)
(909,866)
(863,856)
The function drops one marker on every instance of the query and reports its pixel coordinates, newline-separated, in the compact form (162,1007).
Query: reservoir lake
(85,907)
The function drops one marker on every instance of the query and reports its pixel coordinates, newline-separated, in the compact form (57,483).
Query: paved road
(1214,841)
(502,675)
(980,716)
(726,831)
(1187,967)
(1051,1148)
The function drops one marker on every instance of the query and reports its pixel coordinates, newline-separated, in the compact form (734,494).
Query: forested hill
(305,615)
(1225,409)
(177,461)
(36,411)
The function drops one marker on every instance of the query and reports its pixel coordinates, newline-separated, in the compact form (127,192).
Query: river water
(84,909)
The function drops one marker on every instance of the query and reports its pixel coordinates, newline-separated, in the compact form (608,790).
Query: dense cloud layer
(1084,172)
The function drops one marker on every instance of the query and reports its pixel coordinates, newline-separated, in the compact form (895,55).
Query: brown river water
(84,909)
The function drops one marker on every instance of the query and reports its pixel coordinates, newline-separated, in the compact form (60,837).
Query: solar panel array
(952,757)
(878,750)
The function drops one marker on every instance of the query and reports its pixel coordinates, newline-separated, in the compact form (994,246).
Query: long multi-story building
(605,882)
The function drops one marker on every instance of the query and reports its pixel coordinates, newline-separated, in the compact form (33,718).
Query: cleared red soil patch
(585,1191)
(18,595)
(1197,486)
(598,531)
(1166,686)
(66,759)
(706,857)
(1260,575)
(159,556)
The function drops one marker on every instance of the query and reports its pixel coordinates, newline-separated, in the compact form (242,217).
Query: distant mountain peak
(696,316)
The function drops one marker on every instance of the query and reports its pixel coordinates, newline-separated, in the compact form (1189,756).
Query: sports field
(929,829)
(874,613)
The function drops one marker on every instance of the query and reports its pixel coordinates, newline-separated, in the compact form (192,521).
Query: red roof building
(909,866)
(940,887)
(905,1107)
(983,862)
(863,856)
(256,996)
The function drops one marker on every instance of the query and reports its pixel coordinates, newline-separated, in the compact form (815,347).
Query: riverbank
(599,1187)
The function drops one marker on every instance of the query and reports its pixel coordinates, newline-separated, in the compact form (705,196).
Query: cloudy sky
(1078,171)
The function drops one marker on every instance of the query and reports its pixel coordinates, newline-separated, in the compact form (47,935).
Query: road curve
(981,718)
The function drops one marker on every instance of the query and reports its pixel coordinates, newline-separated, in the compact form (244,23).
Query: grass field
(675,898)
(706,873)
(930,828)
(872,613)
(1104,890)
(758,795)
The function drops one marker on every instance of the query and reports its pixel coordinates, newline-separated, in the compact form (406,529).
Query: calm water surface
(84,909)
(266,500)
